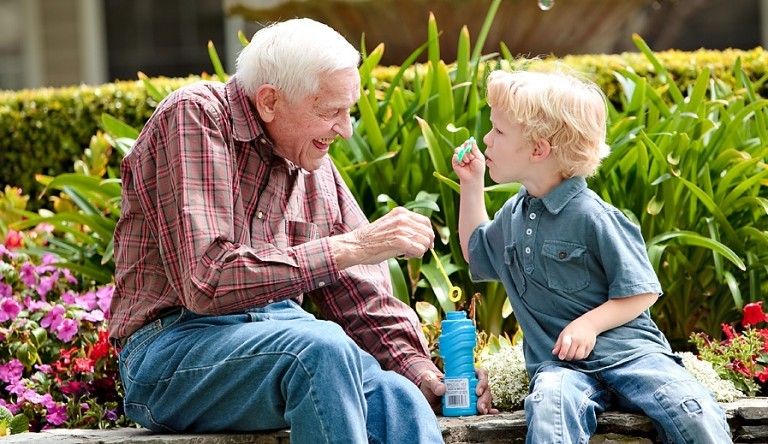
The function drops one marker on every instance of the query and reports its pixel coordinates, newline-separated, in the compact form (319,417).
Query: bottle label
(457,393)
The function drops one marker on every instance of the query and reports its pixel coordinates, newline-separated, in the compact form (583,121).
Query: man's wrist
(345,250)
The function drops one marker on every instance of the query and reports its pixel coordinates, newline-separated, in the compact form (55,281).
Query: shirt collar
(559,197)
(246,125)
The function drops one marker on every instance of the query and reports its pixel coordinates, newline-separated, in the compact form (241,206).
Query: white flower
(507,377)
(722,389)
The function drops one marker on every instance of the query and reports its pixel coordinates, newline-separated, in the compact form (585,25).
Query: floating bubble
(546,5)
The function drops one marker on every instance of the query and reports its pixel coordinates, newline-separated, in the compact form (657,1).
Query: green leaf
(19,424)
(662,72)
(398,281)
(695,239)
(216,62)
(243,39)
(117,128)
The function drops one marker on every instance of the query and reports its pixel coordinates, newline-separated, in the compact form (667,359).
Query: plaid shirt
(213,221)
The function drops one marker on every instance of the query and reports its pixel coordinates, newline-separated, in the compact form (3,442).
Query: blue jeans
(268,368)
(563,404)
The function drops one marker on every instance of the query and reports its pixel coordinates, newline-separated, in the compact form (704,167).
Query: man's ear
(265,100)
(541,150)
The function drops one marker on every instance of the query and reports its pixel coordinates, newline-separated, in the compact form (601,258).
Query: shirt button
(527,250)
(270,301)
(532,216)
(260,215)
(321,284)
(529,232)
(562,255)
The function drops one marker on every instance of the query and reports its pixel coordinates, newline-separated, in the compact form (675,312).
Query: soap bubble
(546,5)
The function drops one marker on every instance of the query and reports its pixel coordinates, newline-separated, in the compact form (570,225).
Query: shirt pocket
(514,266)
(299,232)
(565,265)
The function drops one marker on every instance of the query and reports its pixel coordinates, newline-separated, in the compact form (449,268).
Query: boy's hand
(472,165)
(576,341)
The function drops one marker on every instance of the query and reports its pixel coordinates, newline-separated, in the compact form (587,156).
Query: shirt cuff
(415,368)
(318,266)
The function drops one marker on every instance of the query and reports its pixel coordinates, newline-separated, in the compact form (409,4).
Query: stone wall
(748,419)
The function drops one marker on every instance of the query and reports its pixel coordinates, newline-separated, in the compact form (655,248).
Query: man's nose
(344,126)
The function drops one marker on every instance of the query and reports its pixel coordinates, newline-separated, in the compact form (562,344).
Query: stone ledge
(748,419)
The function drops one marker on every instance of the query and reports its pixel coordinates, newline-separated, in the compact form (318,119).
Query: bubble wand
(466,147)
(454,294)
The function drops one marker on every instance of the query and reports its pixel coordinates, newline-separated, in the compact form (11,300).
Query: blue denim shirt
(559,257)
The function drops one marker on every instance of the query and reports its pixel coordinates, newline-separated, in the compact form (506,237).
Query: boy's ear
(541,150)
(265,100)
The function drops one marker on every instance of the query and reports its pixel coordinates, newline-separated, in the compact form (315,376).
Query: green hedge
(44,130)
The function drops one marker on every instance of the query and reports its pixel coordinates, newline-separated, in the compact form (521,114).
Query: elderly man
(232,212)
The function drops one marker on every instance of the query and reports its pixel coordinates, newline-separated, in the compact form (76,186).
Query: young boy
(575,269)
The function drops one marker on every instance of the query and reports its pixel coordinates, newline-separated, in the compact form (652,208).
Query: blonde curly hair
(561,108)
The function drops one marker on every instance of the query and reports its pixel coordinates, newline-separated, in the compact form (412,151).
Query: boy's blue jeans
(268,368)
(563,404)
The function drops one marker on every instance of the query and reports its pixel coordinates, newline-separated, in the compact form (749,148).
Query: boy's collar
(558,198)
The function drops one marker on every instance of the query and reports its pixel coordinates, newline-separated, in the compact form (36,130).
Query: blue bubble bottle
(457,344)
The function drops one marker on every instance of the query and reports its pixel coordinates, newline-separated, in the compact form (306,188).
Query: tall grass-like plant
(400,154)
(689,167)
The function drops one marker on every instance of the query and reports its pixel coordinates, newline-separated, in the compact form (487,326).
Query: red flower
(753,314)
(739,366)
(728,331)
(83,365)
(13,239)
(762,375)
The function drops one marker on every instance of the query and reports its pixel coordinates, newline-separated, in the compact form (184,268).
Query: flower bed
(56,364)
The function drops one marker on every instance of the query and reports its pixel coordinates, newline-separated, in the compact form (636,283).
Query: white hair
(292,55)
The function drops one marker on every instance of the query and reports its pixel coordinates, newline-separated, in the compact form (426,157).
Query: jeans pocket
(515,270)
(565,265)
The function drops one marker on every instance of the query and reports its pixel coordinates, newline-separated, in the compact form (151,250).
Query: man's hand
(398,233)
(433,389)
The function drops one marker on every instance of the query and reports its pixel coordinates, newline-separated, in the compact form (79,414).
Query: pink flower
(45,368)
(87,300)
(68,276)
(6,290)
(753,314)
(12,407)
(69,297)
(94,316)
(104,296)
(53,319)
(66,330)
(9,309)
(11,371)
(28,275)
(57,414)
(48,259)
(34,306)
(18,388)
(46,284)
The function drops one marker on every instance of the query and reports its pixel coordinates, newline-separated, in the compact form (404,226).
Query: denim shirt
(560,256)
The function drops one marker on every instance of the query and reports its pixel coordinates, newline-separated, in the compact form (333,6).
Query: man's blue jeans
(268,368)
(563,404)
